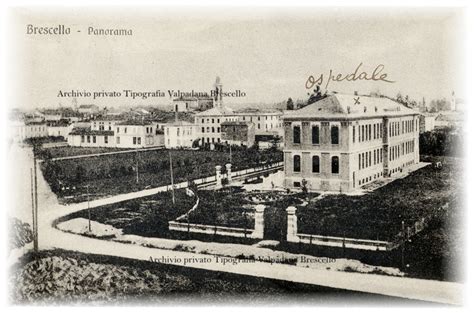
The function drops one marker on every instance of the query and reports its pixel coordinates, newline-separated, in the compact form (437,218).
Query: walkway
(50,238)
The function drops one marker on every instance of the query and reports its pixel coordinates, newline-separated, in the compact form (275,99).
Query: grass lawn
(115,174)
(59,152)
(379,215)
(62,277)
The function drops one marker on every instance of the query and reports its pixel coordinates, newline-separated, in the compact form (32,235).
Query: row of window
(316,164)
(367,132)
(148,130)
(210,140)
(397,128)
(179,131)
(404,148)
(365,158)
(258,118)
(315,135)
(370,178)
(89,138)
(212,120)
(210,129)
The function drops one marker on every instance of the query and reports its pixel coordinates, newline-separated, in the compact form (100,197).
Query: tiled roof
(350,106)
(217,112)
(88,131)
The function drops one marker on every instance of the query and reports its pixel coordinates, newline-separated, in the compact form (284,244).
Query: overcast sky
(266,54)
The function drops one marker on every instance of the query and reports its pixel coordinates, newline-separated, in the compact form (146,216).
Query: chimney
(356,93)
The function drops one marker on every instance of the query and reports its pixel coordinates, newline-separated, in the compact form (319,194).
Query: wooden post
(35,219)
(172,179)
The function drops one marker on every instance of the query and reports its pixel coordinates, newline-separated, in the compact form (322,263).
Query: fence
(353,243)
(256,232)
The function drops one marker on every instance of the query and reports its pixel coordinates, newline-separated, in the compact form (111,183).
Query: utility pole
(172,179)
(403,245)
(88,208)
(32,203)
(35,214)
(137,165)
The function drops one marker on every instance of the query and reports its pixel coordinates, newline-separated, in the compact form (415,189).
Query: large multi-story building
(209,122)
(267,122)
(343,142)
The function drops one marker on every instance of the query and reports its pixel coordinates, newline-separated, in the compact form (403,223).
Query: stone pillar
(292,225)
(218,177)
(228,167)
(259,222)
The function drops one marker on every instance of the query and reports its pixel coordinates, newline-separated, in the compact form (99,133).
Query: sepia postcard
(235,156)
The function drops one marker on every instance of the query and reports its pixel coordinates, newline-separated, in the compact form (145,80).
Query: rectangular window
(134,140)
(334,135)
(315,135)
(82,138)
(106,139)
(353,134)
(297,134)
(88,139)
(359,161)
(296,163)
(139,140)
(93,139)
(315,164)
(359,133)
(118,140)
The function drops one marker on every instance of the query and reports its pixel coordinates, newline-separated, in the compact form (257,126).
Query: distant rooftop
(88,131)
(217,112)
(135,123)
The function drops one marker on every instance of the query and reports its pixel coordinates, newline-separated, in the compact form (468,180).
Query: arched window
(315,164)
(297,164)
(296,134)
(334,135)
(335,165)
(315,135)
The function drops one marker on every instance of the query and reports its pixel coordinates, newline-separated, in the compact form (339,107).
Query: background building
(180,134)
(238,133)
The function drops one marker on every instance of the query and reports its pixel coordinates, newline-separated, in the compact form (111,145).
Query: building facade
(209,122)
(24,130)
(238,133)
(86,137)
(343,142)
(137,134)
(180,134)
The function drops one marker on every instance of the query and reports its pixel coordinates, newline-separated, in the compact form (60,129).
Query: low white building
(85,137)
(23,130)
(137,134)
(60,128)
(180,134)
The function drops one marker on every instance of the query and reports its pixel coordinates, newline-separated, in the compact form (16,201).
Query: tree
(289,104)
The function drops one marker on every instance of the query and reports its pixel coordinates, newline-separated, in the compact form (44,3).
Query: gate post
(259,222)
(218,177)
(228,167)
(292,225)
